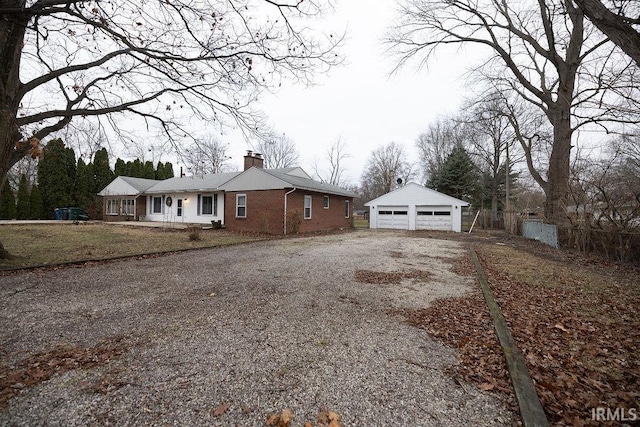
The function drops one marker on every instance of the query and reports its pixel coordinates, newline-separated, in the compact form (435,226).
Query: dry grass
(360,223)
(44,244)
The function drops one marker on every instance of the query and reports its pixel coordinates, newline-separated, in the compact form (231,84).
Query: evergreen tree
(7,202)
(120,168)
(136,169)
(148,171)
(458,177)
(70,167)
(84,185)
(36,204)
(160,172)
(101,170)
(168,170)
(56,184)
(23,208)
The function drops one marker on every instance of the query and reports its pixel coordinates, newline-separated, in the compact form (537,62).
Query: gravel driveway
(259,327)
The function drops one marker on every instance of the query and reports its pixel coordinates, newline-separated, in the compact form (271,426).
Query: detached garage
(415,207)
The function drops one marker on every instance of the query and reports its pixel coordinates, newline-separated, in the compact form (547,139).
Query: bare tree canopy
(618,25)
(207,155)
(436,143)
(278,151)
(166,63)
(543,51)
(331,168)
(385,166)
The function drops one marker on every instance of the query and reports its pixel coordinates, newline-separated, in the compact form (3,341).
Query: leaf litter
(575,320)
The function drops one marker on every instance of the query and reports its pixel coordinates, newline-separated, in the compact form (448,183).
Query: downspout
(285,209)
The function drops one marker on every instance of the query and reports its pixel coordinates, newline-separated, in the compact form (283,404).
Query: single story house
(415,207)
(274,201)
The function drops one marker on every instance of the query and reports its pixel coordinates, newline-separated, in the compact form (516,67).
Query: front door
(179,208)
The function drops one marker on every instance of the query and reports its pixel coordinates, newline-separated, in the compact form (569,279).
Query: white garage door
(393,217)
(433,218)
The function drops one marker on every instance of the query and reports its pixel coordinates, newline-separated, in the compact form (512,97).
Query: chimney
(253,159)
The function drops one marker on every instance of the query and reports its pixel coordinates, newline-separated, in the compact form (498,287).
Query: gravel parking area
(230,336)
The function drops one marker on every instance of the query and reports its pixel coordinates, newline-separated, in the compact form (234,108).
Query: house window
(156,206)
(128,207)
(325,201)
(347,209)
(207,205)
(241,205)
(112,207)
(307,207)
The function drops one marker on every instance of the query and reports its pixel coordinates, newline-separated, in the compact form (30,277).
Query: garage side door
(433,218)
(396,217)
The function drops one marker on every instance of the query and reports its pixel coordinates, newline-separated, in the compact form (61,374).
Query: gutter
(285,209)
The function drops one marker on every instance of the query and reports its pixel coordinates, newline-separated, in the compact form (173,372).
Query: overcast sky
(359,101)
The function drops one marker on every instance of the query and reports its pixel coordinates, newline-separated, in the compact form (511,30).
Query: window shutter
(198,212)
(215,204)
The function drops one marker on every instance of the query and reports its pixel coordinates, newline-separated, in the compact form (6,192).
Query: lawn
(45,244)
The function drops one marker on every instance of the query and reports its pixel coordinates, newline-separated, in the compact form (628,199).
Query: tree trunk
(12,31)
(557,189)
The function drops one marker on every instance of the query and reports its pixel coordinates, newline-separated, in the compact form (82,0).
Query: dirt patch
(390,278)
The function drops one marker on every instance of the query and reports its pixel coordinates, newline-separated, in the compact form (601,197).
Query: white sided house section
(415,207)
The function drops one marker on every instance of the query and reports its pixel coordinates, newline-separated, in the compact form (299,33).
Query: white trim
(241,206)
(310,199)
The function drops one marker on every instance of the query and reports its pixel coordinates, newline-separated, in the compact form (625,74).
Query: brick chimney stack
(253,159)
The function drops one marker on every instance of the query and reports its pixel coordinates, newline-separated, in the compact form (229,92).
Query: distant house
(415,207)
(274,201)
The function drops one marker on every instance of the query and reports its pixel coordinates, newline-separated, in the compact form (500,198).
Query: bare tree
(436,143)
(208,155)
(334,158)
(386,165)
(278,150)
(163,63)
(605,192)
(545,52)
(618,25)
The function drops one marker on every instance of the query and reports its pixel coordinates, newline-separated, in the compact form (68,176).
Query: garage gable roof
(415,194)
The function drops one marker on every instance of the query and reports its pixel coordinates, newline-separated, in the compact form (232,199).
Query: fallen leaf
(280,420)
(273,420)
(221,409)
(285,418)
(486,386)
(562,328)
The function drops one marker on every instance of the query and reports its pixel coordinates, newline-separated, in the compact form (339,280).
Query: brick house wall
(265,212)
